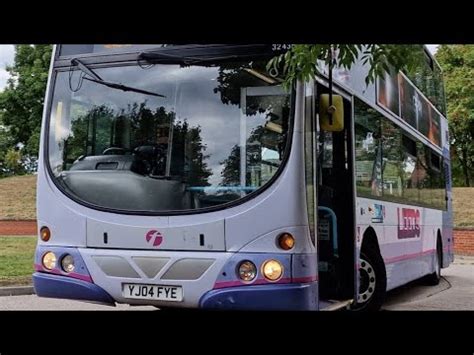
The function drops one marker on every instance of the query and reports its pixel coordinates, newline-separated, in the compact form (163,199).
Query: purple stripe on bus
(256,282)
(305,279)
(58,272)
(228,284)
(80,277)
(408,256)
(265,282)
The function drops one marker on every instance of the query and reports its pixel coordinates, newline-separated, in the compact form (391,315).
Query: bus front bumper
(297,297)
(206,280)
(57,286)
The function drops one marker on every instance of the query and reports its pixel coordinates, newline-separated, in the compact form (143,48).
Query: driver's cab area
(149,156)
(136,151)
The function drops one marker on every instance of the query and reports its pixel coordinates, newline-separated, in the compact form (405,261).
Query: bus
(187,176)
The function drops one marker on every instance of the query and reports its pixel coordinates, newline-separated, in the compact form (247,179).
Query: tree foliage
(6,142)
(301,61)
(457,62)
(21,103)
(13,161)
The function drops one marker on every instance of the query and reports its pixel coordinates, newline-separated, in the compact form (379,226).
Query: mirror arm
(330,109)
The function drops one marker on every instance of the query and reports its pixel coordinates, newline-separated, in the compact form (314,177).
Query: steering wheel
(154,157)
(114,151)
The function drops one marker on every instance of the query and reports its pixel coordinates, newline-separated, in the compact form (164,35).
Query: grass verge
(16,260)
(18,198)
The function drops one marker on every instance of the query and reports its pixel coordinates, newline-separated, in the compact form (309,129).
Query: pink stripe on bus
(224,284)
(408,256)
(240,283)
(74,275)
(284,280)
(305,279)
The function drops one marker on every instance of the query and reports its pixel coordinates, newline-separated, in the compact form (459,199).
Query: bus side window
(423,175)
(368,152)
(392,171)
(410,172)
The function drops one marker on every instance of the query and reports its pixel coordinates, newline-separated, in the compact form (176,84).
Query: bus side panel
(431,224)
(447,236)
(408,249)
(396,252)
(447,230)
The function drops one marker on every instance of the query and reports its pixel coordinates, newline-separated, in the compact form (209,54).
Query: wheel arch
(439,239)
(369,238)
(371,249)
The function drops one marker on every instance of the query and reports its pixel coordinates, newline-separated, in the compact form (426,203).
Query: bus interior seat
(327,220)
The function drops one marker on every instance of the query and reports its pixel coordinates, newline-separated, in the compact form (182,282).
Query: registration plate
(153,292)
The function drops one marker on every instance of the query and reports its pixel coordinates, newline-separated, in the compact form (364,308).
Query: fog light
(247,271)
(45,234)
(286,241)
(67,263)
(272,270)
(49,260)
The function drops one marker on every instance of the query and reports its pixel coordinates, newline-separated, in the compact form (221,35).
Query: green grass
(463,206)
(18,198)
(16,260)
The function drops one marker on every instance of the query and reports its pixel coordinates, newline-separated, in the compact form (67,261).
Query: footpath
(18,227)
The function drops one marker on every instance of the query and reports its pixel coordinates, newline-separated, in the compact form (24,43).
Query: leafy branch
(301,61)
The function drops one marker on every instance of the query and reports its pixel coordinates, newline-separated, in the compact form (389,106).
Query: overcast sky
(6,58)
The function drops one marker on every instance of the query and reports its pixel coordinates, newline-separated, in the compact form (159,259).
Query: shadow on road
(415,291)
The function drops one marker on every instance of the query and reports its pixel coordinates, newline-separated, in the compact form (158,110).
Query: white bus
(186,176)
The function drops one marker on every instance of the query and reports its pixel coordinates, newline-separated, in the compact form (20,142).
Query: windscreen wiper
(97,79)
(123,87)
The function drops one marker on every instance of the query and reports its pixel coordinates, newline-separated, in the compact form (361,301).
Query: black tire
(434,278)
(373,281)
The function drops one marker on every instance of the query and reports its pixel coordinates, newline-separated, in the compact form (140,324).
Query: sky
(6,58)
(7,53)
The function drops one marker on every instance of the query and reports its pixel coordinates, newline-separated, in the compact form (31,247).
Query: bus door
(334,171)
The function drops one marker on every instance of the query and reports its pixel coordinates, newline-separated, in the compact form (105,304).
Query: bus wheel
(434,278)
(373,281)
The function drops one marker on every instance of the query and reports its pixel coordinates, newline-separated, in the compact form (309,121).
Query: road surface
(455,292)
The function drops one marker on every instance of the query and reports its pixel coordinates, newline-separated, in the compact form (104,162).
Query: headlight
(67,263)
(247,271)
(49,260)
(272,270)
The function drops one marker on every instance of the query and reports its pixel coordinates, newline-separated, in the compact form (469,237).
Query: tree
(21,103)
(13,161)
(6,143)
(301,61)
(457,62)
